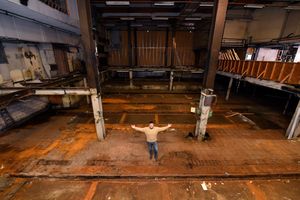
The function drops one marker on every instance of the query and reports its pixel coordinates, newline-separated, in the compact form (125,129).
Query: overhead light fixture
(160,18)
(117,3)
(109,25)
(254,6)
(127,18)
(136,25)
(189,24)
(164,3)
(292,8)
(206,4)
(163,25)
(193,18)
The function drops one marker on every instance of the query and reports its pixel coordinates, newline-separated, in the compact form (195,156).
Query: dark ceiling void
(187,15)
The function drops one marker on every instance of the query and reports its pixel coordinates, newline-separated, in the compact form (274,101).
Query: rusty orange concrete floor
(37,189)
(65,144)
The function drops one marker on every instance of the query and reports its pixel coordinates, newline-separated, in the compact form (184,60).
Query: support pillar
(206,100)
(131,78)
(294,129)
(215,41)
(85,19)
(171,80)
(229,89)
(85,85)
(98,114)
(214,46)
(287,104)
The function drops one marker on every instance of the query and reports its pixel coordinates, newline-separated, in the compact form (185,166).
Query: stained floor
(247,141)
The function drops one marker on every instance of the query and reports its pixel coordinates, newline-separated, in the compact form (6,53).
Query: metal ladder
(6,117)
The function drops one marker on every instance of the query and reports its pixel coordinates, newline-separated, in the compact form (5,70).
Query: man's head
(151,124)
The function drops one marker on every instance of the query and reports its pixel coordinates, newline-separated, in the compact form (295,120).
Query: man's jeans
(152,146)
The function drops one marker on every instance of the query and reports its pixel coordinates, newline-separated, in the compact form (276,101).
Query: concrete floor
(36,189)
(45,158)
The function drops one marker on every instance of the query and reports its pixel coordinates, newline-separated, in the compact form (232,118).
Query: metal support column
(85,19)
(215,40)
(294,130)
(206,100)
(131,78)
(229,89)
(85,85)
(171,80)
(98,114)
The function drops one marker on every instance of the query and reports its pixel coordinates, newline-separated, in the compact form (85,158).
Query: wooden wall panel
(119,57)
(151,47)
(184,49)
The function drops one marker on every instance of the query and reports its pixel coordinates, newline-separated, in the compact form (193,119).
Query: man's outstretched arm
(137,128)
(164,128)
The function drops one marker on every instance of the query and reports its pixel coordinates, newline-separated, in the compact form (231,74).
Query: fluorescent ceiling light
(188,24)
(254,5)
(160,18)
(127,18)
(117,3)
(206,4)
(292,8)
(109,25)
(136,25)
(163,25)
(164,3)
(193,18)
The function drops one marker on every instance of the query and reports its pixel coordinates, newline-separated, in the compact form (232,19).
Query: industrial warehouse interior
(149,99)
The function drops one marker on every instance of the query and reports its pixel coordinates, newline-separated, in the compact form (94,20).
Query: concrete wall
(37,6)
(293,24)
(267,24)
(41,23)
(17,61)
(38,66)
(235,29)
